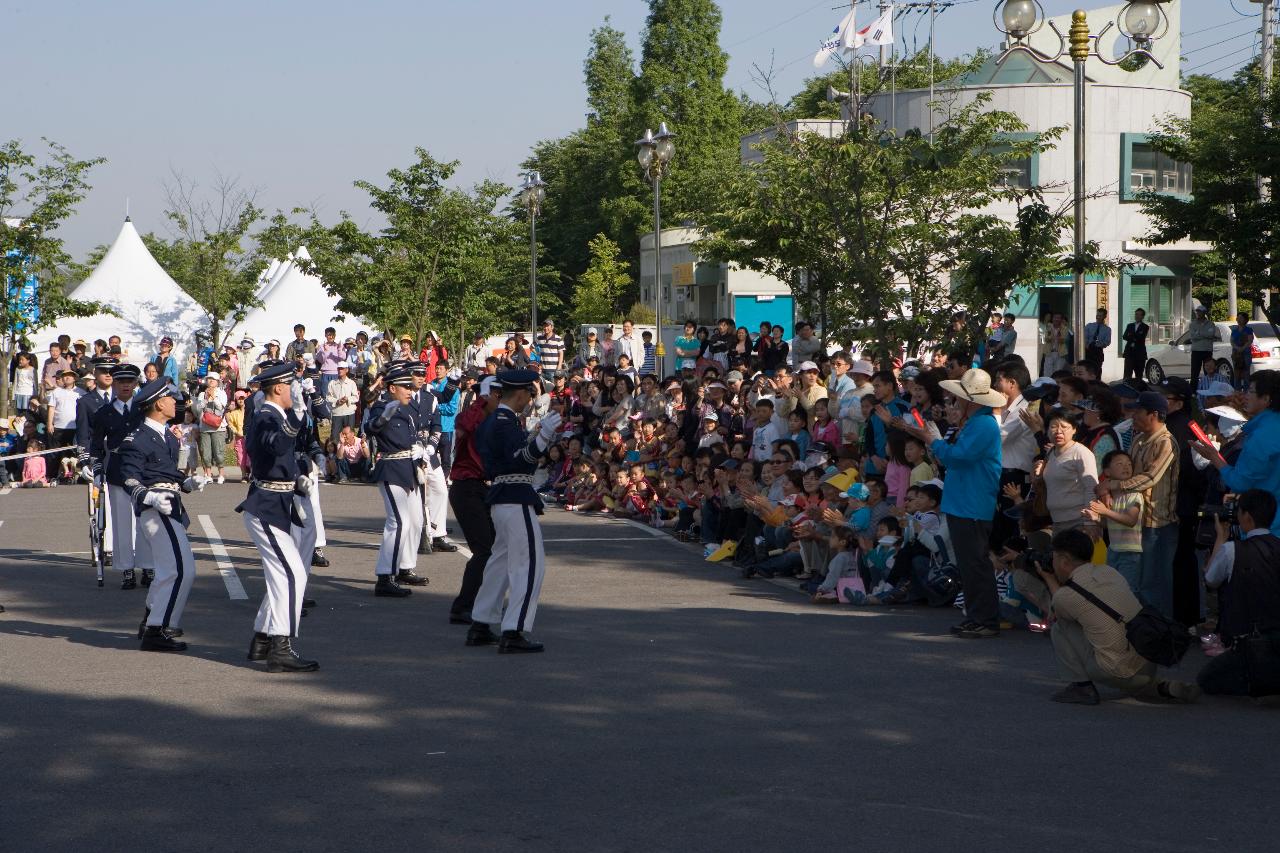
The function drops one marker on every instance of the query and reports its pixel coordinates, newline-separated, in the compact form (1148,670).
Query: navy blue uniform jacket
(395,435)
(505,448)
(148,458)
(270,444)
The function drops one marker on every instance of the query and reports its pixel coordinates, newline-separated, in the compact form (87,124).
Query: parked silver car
(1174,358)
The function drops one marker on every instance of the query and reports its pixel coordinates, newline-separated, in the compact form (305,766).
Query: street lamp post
(655,153)
(532,193)
(1142,22)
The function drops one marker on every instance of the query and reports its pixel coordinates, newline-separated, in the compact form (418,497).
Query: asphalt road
(678,707)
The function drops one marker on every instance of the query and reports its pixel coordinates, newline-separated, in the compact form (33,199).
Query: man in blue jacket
(972,462)
(1258,465)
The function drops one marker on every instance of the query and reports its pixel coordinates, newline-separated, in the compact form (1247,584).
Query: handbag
(1261,663)
(210,420)
(1152,635)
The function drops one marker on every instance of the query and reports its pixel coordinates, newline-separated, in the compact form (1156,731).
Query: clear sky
(298,99)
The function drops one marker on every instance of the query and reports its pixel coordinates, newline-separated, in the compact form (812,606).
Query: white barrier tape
(68,449)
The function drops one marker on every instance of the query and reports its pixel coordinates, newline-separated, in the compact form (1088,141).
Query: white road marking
(652,531)
(235,590)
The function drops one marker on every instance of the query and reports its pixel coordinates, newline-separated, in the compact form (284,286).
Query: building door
(1157,295)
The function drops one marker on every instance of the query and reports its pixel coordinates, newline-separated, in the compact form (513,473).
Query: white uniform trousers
(109,544)
(435,502)
(401,531)
(130,548)
(175,567)
(285,573)
(515,568)
(310,534)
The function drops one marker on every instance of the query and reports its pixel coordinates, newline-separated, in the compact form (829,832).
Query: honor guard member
(394,423)
(270,515)
(85,407)
(309,537)
(517,564)
(435,490)
(149,464)
(108,428)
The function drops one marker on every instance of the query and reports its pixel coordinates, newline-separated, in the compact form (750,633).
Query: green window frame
(1163,171)
(1155,290)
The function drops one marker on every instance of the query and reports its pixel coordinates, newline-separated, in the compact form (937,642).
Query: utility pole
(1268,70)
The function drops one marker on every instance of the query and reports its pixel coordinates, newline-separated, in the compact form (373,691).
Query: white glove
(196,483)
(86,473)
(302,485)
(299,405)
(419,453)
(430,450)
(309,386)
(161,502)
(547,429)
(453,375)
(390,409)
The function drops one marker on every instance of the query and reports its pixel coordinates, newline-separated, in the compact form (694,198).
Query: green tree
(586,171)
(681,82)
(878,225)
(445,260)
(1230,141)
(37,194)
(207,255)
(596,294)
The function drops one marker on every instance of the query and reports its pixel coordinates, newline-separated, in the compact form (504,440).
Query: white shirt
(1018,447)
(63,401)
(159,426)
(762,439)
(630,346)
(1218,570)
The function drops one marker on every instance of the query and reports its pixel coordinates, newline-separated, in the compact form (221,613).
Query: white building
(704,291)
(1122,110)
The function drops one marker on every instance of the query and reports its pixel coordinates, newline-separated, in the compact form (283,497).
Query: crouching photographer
(1246,573)
(1095,609)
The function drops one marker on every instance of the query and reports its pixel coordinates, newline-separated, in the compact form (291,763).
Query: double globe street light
(655,153)
(1141,22)
(532,193)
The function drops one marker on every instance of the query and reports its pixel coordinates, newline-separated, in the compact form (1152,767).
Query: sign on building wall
(682,274)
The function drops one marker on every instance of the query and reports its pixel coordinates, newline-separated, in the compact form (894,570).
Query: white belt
(273,485)
(399,454)
(503,479)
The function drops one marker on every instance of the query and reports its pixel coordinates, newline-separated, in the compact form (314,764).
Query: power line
(1220,58)
(1250,32)
(1243,14)
(777,25)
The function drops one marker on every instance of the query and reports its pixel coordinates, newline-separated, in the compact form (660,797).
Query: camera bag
(1153,636)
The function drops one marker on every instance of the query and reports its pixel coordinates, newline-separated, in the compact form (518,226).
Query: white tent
(149,303)
(292,297)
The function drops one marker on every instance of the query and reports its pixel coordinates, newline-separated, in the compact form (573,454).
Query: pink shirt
(33,470)
(829,433)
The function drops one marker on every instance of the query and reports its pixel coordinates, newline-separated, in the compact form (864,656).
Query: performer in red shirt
(467,494)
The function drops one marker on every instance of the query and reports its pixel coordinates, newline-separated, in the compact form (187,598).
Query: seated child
(843,544)
(34,474)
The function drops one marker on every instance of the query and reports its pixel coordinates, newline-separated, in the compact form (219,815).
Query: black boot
(106,559)
(318,559)
(462,618)
(387,586)
(514,642)
(480,635)
(308,603)
(148,575)
(259,646)
(282,658)
(142,626)
(442,544)
(411,578)
(128,579)
(156,640)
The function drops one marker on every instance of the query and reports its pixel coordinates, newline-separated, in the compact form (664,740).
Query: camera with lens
(1227,512)
(1039,560)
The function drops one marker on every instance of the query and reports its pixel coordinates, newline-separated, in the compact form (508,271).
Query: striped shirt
(650,364)
(550,350)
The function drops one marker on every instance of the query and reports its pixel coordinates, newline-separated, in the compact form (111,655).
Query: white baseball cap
(807,365)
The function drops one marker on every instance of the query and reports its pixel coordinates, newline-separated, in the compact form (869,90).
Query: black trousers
(1095,354)
(446,453)
(1135,361)
(467,499)
(1004,528)
(1197,361)
(969,538)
